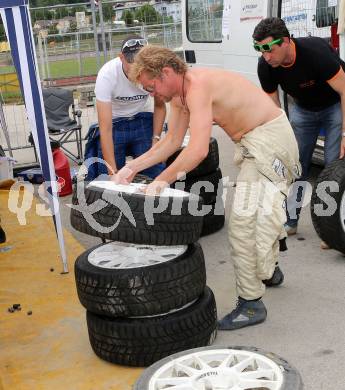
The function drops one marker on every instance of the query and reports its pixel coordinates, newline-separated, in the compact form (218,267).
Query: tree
(128,17)
(61,12)
(107,11)
(148,15)
(168,19)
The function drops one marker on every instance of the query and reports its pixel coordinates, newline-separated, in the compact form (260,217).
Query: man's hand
(342,148)
(123,176)
(156,187)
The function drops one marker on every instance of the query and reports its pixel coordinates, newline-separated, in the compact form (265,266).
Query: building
(169,8)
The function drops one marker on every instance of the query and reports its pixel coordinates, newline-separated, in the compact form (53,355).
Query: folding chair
(57,103)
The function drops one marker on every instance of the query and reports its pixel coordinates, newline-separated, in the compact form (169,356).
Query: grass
(12,97)
(7,69)
(58,69)
(66,68)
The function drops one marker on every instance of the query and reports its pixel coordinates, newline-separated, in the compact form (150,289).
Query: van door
(237,44)
(202,32)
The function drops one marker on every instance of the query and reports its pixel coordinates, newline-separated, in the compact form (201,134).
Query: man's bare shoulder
(214,78)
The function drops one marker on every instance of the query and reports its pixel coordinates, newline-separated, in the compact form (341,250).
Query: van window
(325,14)
(204,20)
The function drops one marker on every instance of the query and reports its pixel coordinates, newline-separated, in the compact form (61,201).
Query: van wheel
(120,279)
(328,205)
(221,368)
(208,165)
(142,341)
(124,213)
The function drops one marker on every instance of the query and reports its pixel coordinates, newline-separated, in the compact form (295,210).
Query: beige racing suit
(269,161)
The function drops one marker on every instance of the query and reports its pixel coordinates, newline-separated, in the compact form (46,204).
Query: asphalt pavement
(305,314)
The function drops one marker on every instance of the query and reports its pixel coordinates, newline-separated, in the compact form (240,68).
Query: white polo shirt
(112,85)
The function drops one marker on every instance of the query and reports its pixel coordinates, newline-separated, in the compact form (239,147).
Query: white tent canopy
(16,19)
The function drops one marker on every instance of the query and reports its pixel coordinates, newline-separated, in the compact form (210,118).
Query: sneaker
(290,229)
(324,245)
(246,313)
(276,279)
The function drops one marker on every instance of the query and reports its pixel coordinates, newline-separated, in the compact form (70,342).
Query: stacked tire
(206,181)
(328,205)
(144,292)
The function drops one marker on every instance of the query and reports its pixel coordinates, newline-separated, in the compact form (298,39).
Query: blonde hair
(152,59)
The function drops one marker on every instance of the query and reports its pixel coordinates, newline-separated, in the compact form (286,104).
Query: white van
(218,33)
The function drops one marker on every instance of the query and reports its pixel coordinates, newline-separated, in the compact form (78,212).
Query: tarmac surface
(305,315)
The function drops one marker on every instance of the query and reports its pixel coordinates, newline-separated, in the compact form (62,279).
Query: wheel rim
(342,212)
(168,312)
(218,369)
(136,188)
(119,255)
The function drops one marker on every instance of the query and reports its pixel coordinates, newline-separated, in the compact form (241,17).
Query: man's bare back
(232,98)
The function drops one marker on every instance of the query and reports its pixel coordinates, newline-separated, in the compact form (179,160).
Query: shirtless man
(266,151)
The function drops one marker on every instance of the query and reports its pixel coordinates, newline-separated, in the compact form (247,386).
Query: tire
(141,342)
(116,214)
(143,290)
(212,222)
(330,228)
(207,187)
(285,376)
(208,165)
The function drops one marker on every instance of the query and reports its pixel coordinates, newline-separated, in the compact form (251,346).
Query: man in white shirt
(127,126)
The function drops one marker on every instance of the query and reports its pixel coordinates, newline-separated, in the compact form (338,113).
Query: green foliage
(148,15)
(128,17)
(107,12)
(168,19)
(53,30)
(45,3)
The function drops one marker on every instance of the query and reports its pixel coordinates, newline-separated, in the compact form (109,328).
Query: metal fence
(309,18)
(71,60)
(75,54)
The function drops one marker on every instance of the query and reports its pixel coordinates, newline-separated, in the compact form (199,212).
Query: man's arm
(106,134)
(159,114)
(177,127)
(338,84)
(275,97)
(200,126)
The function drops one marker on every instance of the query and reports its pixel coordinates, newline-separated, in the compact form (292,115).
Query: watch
(343,133)
(157,137)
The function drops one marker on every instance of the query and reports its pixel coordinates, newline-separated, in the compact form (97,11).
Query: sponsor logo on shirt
(130,98)
(307,84)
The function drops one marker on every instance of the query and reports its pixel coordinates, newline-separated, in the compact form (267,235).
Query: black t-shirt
(305,80)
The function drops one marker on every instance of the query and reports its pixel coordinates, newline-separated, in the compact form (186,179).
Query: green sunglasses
(267,47)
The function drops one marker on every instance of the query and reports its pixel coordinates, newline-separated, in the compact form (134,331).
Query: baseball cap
(131,45)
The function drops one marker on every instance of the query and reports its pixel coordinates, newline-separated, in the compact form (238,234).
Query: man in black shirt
(311,72)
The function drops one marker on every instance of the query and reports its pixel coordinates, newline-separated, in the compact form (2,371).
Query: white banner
(226,19)
(252,9)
